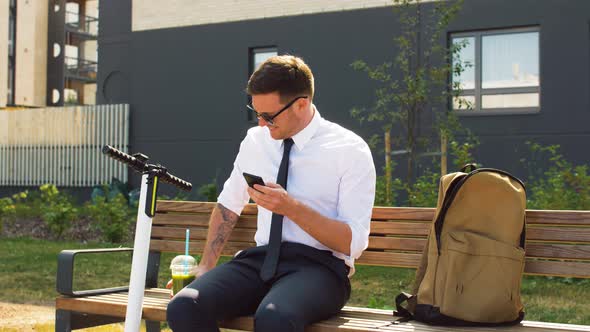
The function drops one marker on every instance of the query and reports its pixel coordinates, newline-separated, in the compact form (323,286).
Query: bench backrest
(558,242)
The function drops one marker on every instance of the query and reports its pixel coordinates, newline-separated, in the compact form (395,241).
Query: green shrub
(27,204)
(7,211)
(115,188)
(179,196)
(562,186)
(424,191)
(110,216)
(57,209)
(209,191)
(461,153)
(381,191)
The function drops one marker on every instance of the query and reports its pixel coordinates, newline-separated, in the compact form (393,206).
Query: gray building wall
(564,118)
(186,85)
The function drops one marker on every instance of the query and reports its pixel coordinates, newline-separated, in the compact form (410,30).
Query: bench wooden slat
(181,219)
(534,233)
(400,228)
(185,206)
(177,233)
(558,251)
(350,319)
(389,259)
(396,243)
(568,217)
(541,250)
(411,260)
(532,266)
(197,247)
(404,213)
(558,244)
(197,207)
(558,268)
(534,250)
(561,217)
(561,234)
(199,220)
(247,235)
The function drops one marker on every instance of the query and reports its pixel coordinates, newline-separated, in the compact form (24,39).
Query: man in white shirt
(312,223)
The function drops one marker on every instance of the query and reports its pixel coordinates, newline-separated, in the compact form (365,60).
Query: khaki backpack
(471,268)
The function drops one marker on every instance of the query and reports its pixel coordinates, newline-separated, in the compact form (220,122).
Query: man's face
(285,124)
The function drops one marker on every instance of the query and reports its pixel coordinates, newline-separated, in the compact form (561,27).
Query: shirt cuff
(359,241)
(232,206)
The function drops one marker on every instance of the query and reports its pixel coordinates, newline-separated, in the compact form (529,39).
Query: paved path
(23,317)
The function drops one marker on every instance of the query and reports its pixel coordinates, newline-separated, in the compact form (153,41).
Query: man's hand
(272,197)
(197,271)
(332,233)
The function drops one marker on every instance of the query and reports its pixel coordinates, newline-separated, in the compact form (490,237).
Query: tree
(425,65)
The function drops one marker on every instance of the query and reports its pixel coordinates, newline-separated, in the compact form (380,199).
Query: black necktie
(269,266)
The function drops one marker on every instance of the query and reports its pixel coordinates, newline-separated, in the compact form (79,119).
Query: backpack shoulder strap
(402,312)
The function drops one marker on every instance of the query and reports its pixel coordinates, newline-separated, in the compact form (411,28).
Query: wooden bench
(558,244)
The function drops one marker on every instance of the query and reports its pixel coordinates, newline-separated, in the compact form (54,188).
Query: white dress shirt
(331,170)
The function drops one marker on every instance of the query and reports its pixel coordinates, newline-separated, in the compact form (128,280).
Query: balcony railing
(80,69)
(83,24)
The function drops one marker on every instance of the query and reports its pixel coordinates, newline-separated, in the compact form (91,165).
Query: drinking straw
(188,231)
(186,250)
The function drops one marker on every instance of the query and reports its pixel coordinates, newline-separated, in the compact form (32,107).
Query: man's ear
(303,102)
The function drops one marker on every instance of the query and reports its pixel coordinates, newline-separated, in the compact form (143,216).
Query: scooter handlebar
(142,166)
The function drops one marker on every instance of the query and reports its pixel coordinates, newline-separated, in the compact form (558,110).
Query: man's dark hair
(286,74)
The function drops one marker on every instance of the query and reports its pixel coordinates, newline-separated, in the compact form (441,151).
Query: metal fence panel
(62,145)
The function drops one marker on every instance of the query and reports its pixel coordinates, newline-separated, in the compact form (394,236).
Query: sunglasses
(269,118)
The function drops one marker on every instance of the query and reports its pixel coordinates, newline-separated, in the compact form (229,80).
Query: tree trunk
(387,140)
(443,153)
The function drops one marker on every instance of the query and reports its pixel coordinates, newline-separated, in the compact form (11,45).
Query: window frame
(478,91)
(252,51)
(10,91)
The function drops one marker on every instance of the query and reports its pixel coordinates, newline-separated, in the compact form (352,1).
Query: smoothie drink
(182,272)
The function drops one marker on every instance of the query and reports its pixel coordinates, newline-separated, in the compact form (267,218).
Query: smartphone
(252,179)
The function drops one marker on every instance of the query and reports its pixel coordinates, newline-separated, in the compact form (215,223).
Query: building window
(11,52)
(256,57)
(500,71)
(73,14)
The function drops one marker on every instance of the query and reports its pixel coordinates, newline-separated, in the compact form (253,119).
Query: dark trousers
(310,285)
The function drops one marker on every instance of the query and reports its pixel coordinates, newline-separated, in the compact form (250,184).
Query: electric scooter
(152,175)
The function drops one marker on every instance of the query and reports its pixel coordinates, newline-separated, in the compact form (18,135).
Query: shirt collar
(305,135)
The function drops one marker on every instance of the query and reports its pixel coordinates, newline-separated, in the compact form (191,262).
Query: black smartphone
(252,179)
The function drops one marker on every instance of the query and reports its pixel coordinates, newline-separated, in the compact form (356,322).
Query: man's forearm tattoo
(229,221)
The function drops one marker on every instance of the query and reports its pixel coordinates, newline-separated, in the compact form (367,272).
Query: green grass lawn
(29,269)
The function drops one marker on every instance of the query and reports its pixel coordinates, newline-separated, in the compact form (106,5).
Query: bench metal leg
(66,321)
(152,326)
(63,321)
